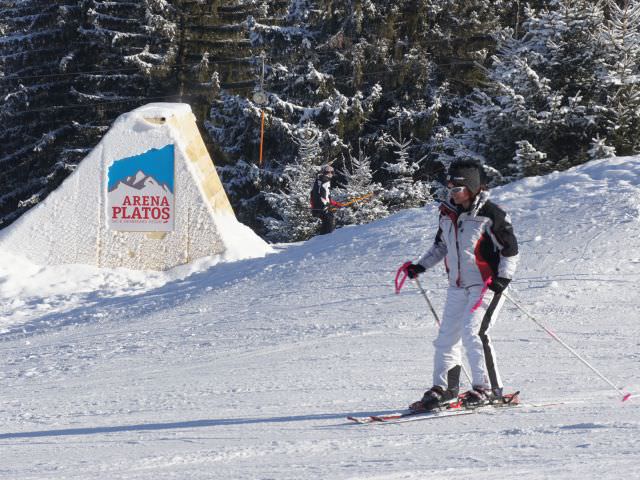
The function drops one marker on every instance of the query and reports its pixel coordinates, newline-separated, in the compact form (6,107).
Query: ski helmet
(466,173)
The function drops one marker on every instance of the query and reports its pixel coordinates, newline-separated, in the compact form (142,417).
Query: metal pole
(262,110)
(435,315)
(625,395)
(261,134)
(424,294)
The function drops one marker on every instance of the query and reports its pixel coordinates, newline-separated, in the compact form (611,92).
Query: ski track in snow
(247,370)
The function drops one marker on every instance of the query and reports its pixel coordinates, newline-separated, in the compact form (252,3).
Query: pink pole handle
(400,281)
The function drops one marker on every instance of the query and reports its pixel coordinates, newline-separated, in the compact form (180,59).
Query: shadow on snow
(145,427)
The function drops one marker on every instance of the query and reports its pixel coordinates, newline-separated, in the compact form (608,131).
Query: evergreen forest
(389,93)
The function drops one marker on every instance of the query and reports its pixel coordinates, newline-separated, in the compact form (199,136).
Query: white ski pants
(461,327)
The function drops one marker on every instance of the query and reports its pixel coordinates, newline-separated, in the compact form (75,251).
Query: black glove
(498,284)
(414,270)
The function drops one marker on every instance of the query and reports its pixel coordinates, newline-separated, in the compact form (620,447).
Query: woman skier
(476,240)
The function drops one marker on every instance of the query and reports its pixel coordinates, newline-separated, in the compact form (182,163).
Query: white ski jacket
(475,244)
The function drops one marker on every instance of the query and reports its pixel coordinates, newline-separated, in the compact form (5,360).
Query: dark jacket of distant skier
(475,245)
(321,200)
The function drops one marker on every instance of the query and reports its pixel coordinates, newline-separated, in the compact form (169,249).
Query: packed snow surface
(247,369)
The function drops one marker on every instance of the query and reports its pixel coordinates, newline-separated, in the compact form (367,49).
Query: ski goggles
(457,189)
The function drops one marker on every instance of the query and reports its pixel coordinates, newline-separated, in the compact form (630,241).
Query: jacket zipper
(453,216)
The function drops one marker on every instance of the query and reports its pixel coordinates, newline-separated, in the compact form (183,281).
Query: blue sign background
(159,163)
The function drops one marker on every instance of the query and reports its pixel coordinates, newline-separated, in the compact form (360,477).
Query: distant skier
(321,201)
(476,240)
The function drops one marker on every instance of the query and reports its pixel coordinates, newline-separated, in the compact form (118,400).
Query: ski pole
(435,315)
(625,396)
(357,199)
(350,202)
(424,294)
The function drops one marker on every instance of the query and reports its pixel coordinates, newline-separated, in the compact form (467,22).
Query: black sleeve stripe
(438,239)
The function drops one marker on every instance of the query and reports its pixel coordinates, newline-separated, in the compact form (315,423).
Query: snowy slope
(246,370)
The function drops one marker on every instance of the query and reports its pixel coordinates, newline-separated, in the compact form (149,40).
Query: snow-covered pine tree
(298,92)
(363,193)
(234,128)
(70,68)
(403,190)
(214,50)
(37,38)
(544,89)
(600,149)
(131,48)
(460,35)
(528,162)
(291,202)
(449,42)
(621,38)
(350,67)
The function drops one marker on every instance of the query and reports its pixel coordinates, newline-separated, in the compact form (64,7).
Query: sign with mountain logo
(140,192)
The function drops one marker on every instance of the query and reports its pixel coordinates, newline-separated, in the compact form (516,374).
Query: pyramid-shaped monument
(147,197)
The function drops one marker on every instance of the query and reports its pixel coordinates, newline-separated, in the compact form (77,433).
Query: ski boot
(434,399)
(479,396)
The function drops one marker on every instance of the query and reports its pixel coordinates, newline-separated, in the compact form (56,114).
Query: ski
(408,415)
(453,409)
